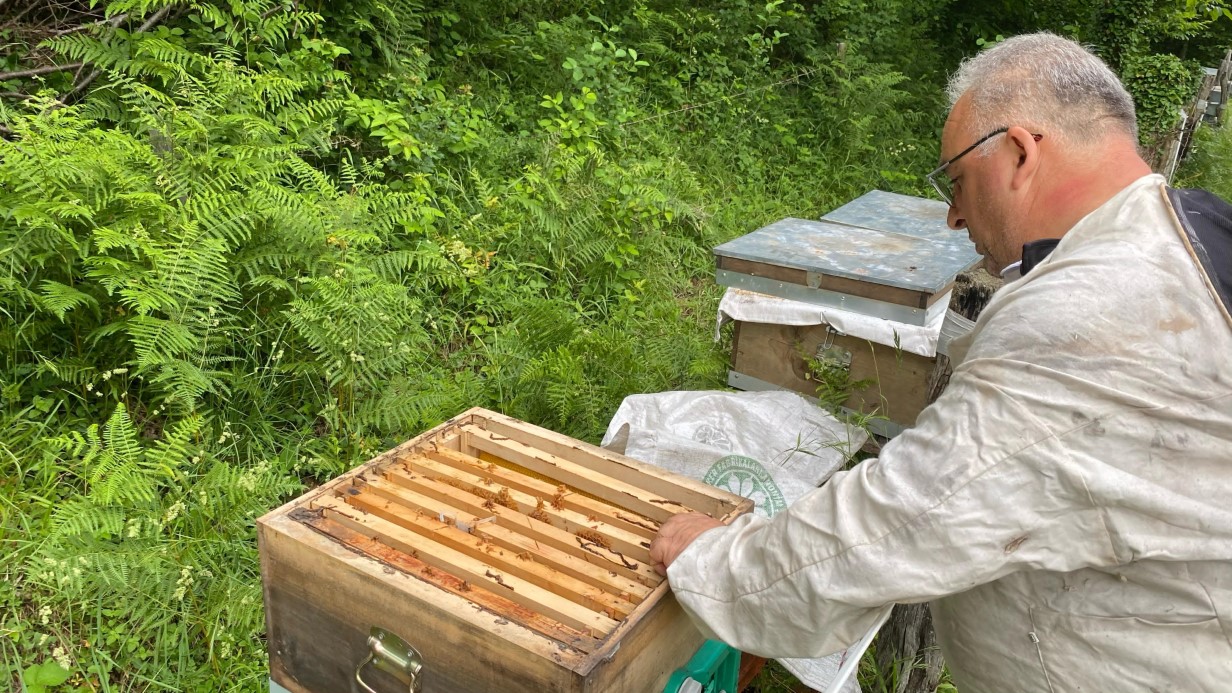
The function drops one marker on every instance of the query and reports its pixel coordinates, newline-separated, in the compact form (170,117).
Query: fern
(59,298)
(265,244)
(82,517)
(159,535)
(74,371)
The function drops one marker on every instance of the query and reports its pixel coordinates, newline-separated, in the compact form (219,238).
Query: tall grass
(1209,164)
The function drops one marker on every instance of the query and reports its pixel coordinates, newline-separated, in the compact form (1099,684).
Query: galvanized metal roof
(914,216)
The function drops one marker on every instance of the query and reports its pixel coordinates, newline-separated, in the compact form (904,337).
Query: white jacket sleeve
(970,494)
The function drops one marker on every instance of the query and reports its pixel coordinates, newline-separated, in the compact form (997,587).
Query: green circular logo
(745,476)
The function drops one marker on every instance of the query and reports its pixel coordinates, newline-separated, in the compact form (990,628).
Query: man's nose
(955,219)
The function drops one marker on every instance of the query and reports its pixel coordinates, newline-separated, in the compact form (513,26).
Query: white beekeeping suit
(1066,505)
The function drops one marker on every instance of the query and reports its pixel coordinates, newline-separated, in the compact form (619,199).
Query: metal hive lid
(914,216)
(883,238)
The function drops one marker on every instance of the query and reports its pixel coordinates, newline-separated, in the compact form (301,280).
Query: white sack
(771,447)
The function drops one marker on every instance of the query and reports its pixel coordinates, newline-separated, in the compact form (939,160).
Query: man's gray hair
(1046,82)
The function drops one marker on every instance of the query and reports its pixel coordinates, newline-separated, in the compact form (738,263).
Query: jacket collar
(1033,253)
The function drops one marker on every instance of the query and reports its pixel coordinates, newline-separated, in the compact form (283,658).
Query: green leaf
(40,676)
(59,298)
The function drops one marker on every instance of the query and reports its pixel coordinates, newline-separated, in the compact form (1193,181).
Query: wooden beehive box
(512,558)
(897,384)
(883,255)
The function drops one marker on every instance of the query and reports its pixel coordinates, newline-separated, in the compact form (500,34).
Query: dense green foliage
(252,243)
(1209,165)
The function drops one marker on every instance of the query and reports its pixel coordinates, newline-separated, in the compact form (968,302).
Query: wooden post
(1225,81)
(907,643)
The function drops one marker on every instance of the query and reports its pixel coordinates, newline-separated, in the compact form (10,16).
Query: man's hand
(675,535)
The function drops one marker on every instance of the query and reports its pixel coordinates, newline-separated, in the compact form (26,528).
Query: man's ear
(1027,147)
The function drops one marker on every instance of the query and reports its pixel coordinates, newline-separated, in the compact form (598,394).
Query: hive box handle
(391,654)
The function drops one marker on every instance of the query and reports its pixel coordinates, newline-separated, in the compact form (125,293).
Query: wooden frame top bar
(541,530)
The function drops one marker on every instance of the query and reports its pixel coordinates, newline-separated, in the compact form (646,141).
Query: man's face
(980,184)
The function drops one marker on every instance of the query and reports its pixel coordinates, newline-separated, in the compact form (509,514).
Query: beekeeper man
(1066,505)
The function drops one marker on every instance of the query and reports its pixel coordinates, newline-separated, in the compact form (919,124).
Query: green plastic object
(714,669)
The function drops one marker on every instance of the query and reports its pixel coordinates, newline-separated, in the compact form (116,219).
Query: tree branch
(81,86)
(114,22)
(36,71)
(154,19)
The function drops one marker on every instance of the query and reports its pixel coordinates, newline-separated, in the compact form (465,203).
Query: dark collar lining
(1034,253)
(1207,221)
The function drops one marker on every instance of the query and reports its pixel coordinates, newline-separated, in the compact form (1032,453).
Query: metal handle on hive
(391,654)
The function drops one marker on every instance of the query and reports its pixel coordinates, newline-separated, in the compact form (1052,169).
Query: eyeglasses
(944,185)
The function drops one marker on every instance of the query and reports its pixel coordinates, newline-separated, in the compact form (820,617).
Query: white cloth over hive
(925,340)
(1064,504)
(772,447)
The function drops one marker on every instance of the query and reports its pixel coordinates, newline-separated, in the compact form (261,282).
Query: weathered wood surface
(841,285)
(322,596)
(484,535)
(972,291)
(649,505)
(778,354)
(611,514)
(581,609)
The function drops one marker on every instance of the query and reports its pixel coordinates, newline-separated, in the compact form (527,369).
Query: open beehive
(509,557)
